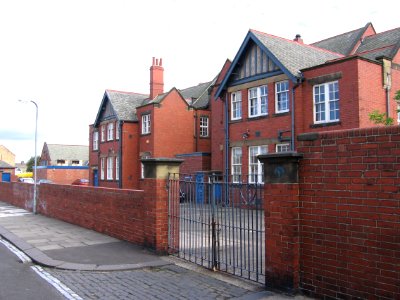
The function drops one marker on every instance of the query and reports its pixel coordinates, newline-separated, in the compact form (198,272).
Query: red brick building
(62,164)
(131,126)
(276,88)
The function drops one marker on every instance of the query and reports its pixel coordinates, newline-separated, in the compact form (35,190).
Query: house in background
(276,89)
(131,126)
(63,164)
(7,164)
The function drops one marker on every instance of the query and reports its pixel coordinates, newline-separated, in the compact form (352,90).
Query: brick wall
(350,214)
(62,175)
(194,162)
(136,216)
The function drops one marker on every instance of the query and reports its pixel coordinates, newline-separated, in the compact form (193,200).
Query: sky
(64,54)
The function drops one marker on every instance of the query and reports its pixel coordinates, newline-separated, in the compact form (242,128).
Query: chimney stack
(298,39)
(156,78)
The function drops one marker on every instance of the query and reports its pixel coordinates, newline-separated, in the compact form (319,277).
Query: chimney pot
(298,39)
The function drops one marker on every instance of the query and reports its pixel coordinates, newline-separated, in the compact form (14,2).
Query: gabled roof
(67,152)
(4,165)
(198,95)
(124,105)
(382,44)
(343,43)
(288,55)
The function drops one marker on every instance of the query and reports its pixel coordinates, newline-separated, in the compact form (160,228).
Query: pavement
(56,244)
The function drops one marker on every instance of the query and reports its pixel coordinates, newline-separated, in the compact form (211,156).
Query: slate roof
(292,55)
(385,43)
(68,152)
(343,43)
(198,95)
(125,104)
(4,165)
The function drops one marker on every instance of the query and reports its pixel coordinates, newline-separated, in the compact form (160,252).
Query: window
(116,131)
(110,131)
(60,162)
(236,164)
(282,147)
(103,133)
(256,169)
(282,96)
(102,168)
(96,140)
(110,164)
(236,105)
(146,124)
(204,126)
(117,168)
(258,101)
(75,162)
(326,102)
(398,113)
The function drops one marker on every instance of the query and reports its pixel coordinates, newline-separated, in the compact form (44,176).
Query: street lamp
(35,176)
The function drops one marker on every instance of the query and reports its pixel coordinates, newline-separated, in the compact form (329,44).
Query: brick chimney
(298,39)
(156,78)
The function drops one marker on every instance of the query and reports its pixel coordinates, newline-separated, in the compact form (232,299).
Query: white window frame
(204,120)
(103,133)
(282,96)
(116,168)
(146,124)
(236,164)
(110,168)
(102,162)
(110,131)
(236,105)
(258,101)
(95,140)
(117,131)
(283,147)
(398,113)
(256,168)
(323,107)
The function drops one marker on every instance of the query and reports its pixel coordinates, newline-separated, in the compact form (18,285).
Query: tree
(31,162)
(381,118)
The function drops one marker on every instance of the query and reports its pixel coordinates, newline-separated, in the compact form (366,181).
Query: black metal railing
(218,224)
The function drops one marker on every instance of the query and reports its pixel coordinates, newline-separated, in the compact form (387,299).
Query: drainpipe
(226,138)
(292,129)
(120,154)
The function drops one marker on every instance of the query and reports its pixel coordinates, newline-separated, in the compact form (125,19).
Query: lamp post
(35,175)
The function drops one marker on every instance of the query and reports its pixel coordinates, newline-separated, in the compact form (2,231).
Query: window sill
(257,118)
(281,114)
(235,121)
(144,134)
(204,137)
(321,125)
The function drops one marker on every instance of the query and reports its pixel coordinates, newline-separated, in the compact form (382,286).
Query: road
(19,281)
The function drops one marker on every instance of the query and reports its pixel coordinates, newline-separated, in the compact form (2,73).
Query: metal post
(35,174)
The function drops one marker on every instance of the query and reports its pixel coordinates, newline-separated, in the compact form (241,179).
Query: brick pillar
(281,220)
(155,189)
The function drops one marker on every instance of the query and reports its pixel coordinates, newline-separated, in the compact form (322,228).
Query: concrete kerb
(40,258)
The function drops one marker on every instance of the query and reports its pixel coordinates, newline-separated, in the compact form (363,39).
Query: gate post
(282,241)
(155,186)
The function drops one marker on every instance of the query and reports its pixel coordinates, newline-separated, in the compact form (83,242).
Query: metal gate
(217,224)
